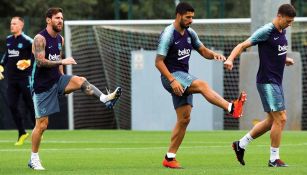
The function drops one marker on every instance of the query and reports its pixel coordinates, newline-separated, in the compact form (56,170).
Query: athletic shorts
(185,80)
(272,97)
(47,103)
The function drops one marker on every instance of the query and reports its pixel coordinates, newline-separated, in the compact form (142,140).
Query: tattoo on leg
(90,89)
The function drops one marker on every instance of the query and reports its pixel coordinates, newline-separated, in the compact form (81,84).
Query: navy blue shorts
(47,103)
(272,97)
(185,80)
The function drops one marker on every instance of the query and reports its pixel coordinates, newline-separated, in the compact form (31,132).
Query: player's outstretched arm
(209,54)
(38,49)
(228,64)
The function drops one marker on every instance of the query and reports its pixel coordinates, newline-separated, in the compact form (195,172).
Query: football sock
(170,156)
(103,98)
(244,141)
(230,107)
(274,154)
(34,155)
(90,89)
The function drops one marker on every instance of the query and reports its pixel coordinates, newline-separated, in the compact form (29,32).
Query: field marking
(132,148)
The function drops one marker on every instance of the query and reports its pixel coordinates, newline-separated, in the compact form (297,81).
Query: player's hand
(289,61)
(228,64)
(177,88)
(218,57)
(68,61)
(23,64)
(1,70)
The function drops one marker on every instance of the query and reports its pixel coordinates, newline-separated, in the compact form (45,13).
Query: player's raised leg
(235,108)
(77,83)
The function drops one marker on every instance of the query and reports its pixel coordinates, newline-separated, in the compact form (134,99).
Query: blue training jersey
(177,48)
(44,77)
(272,50)
(17,49)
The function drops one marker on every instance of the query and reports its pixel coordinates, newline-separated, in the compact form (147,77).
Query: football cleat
(238,104)
(239,152)
(113,97)
(277,163)
(22,139)
(171,164)
(35,164)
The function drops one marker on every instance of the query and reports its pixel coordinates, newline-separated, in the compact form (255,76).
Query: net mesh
(105,54)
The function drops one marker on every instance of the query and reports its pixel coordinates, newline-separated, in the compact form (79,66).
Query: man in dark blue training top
(272,50)
(49,81)
(17,62)
(174,50)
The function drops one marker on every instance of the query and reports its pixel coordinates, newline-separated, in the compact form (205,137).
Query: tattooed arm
(38,49)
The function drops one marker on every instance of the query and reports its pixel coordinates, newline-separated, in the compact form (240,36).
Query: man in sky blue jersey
(49,81)
(174,49)
(18,51)
(272,50)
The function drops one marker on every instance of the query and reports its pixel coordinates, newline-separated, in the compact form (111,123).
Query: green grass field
(104,152)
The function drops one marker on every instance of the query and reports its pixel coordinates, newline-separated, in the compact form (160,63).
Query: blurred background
(113,48)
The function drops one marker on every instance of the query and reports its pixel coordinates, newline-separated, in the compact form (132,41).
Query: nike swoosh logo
(50,47)
(177,42)
(276,38)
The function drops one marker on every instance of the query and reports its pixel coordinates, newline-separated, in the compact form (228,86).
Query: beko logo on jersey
(282,49)
(13,53)
(54,57)
(184,53)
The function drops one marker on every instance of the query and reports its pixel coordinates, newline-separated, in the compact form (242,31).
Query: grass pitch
(91,152)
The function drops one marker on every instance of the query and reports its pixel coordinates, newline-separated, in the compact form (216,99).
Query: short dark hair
(184,7)
(287,10)
(19,18)
(53,11)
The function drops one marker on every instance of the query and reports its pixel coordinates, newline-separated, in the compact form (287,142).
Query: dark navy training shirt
(17,49)
(272,50)
(177,48)
(45,78)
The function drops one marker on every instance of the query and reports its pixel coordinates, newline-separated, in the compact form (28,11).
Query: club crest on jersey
(54,57)
(59,46)
(189,40)
(19,45)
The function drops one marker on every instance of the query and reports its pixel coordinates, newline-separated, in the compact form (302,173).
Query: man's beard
(183,26)
(54,27)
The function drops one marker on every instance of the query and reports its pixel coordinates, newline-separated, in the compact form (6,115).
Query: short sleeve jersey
(44,77)
(272,50)
(177,48)
(17,49)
